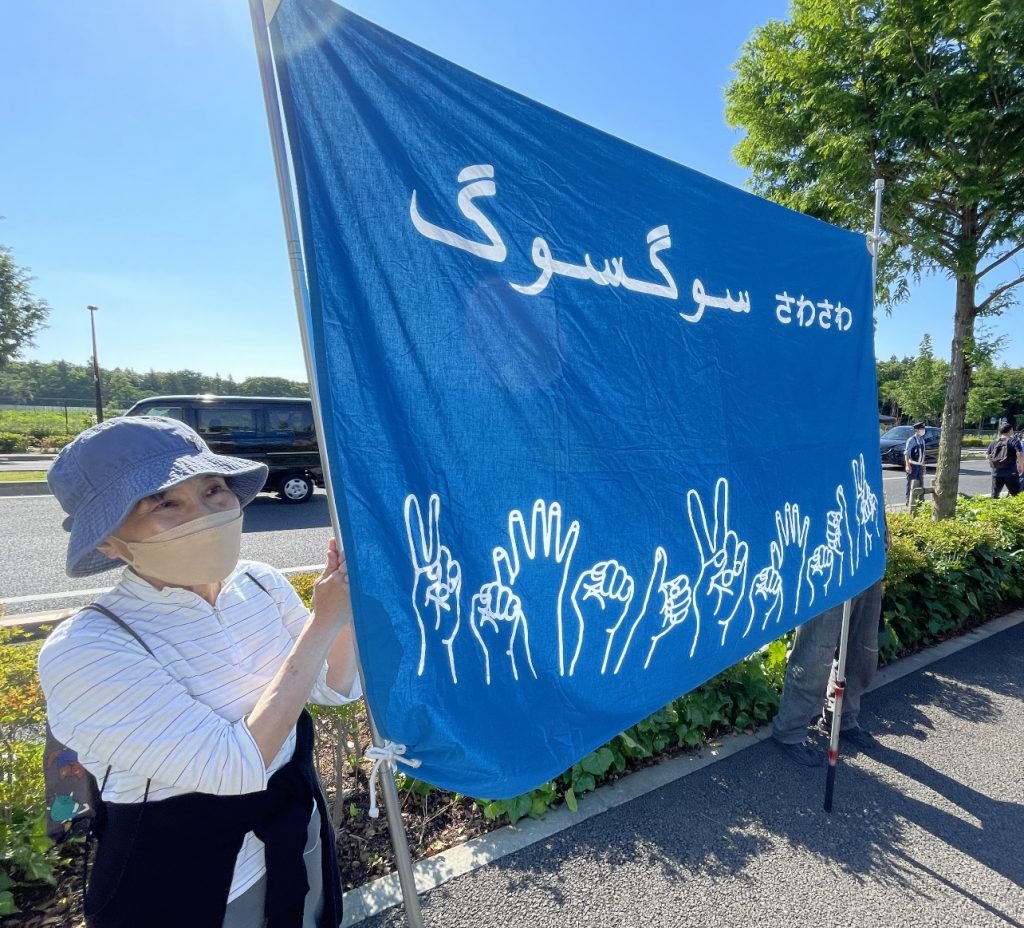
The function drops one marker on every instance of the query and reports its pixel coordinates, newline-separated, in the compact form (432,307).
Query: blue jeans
(807,685)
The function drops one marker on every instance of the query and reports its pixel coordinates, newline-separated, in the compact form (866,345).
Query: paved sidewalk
(925,832)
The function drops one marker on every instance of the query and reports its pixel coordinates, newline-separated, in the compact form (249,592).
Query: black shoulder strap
(260,585)
(113,618)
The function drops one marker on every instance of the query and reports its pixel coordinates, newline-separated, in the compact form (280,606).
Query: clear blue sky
(136,172)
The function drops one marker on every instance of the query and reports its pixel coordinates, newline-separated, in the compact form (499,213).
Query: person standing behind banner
(913,458)
(191,713)
(1004,457)
(808,676)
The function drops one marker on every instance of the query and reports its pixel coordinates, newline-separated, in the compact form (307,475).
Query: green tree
(271,386)
(890,374)
(988,395)
(21,313)
(922,392)
(927,95)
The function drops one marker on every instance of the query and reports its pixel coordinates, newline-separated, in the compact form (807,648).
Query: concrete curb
(24,488)
(384,893)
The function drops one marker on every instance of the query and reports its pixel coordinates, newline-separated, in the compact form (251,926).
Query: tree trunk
(947,471)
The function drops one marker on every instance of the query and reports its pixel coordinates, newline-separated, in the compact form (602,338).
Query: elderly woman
(183,689)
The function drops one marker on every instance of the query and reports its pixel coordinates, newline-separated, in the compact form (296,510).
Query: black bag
(72,794)
(999,456)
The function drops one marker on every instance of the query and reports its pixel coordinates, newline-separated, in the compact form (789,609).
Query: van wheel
(295,488)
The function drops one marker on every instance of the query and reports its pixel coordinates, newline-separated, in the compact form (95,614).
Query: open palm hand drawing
(721,583)
(792,533)
(437,582)
(534,565)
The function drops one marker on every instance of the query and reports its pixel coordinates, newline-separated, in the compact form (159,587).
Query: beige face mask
(201,551)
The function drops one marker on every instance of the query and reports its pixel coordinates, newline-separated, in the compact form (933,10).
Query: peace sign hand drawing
(534,565)
(722,581)
(601,598)
(866,508)
(437,582)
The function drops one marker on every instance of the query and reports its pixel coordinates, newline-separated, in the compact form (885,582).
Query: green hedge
(13,443)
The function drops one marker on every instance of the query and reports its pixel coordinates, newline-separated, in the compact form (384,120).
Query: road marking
(69,594)
(28,496)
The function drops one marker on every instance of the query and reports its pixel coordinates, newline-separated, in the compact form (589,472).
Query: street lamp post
(96,365)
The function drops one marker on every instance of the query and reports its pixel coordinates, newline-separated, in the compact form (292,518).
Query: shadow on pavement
(717,823)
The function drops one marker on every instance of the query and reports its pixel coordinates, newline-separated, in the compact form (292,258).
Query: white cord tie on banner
(387,755)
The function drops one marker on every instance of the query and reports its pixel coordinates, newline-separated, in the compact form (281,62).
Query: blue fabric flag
(598,426)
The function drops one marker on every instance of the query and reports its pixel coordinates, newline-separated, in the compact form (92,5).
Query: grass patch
(19,476)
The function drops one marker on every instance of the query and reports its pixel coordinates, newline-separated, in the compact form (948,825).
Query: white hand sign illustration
(766,596)
(437,581)
(722,580)
(867,508)
(838,536)
(677,600)
(602,596)
(656,583)
(820,569)
(535,563)
(499,626)
(792,543)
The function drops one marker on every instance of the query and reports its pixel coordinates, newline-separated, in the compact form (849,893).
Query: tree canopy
(927,95)
(21,314)
(59,382)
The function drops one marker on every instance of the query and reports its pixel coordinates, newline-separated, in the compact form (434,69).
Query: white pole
(264,56)
(874,241)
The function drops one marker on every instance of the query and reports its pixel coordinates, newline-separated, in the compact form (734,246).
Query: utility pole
(96,365)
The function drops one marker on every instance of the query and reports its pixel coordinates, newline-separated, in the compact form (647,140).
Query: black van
(275,430)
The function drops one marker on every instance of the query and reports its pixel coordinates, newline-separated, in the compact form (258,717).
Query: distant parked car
(275,430)
(895,440)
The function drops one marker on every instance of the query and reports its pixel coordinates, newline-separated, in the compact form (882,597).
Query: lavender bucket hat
(106,470)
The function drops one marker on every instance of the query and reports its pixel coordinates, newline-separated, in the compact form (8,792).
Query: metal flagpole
(264,56)
(874,241)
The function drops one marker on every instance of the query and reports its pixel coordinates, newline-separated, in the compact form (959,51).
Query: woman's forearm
(280,704)
(341,662)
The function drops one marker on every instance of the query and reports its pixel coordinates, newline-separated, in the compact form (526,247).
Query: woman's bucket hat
(106,470)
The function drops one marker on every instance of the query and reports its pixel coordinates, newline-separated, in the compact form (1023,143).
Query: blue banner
(599,426)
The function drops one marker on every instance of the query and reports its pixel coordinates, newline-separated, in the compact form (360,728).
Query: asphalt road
(33,547)
(924,833)
(975,479)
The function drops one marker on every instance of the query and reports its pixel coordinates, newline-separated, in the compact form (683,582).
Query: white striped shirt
(177,718)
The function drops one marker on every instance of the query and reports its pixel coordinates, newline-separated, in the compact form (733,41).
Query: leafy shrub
(23,840)
(13,443)
(53,442)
